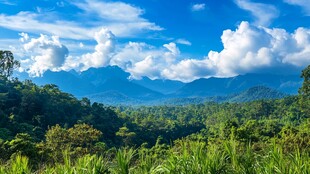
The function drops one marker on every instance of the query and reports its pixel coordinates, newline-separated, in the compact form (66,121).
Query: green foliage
(126,135)
(80,139)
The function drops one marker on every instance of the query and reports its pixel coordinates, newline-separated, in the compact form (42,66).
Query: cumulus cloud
(103,51)
(146,67)
(263,13)
(198,7)
(304,4)
(189,69)
(247,49)
(141,59)
(100,57)
(47,54)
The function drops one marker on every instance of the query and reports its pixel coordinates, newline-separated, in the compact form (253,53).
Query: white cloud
(122,19)
(257,49)
(301,57)
(115,11)
(146,67)
(141,59)
(132,53)
(172,47)
(304,4)
(103,51)
(47,54)
(101,56)
(189,69)
(29,22)
(198,7)
(183,42)
(247,49)
(24,37)
(263,13)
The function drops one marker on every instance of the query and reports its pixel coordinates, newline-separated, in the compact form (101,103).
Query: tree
(305,88)
(79,140)
(22,144)
(83,135)
(7,63)
(125,134)
(304,92)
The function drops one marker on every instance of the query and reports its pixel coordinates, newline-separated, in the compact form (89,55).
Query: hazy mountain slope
(94,81)
(251,94)
(113,98)
(127,88)
(256,93)
(162,86)
(66,81)
(98,76)
(224,86)
(99,82)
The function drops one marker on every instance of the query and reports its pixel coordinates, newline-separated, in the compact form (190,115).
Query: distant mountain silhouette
(251,94)
(256,93)
(223,86)
(94,81)
(99,76)
(67,82)
(159,85)
(111,85)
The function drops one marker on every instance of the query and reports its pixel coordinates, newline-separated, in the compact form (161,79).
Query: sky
(161,39)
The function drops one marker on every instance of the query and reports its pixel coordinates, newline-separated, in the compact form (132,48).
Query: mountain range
(112,85)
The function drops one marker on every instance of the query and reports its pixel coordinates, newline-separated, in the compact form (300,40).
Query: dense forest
(44,130)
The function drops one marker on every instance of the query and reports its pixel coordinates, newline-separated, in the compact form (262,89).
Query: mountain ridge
(99,82)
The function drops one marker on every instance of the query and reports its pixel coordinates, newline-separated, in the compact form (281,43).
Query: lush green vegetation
(43,130)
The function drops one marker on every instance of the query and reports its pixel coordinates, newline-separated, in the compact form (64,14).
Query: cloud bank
(247,49)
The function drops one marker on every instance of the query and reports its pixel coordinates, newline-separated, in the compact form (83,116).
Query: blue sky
(175,39)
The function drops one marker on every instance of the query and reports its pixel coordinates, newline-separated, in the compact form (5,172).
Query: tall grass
(123,160)
(185,157)
(194,157)
(146,163)
(19,165)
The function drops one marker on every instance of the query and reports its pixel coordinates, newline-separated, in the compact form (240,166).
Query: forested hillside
(44,130)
